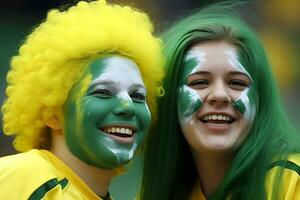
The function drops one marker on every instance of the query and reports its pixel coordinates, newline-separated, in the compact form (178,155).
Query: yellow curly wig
(55,54)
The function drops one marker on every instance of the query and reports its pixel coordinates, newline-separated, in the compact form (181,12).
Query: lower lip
(217,128)
(123,140)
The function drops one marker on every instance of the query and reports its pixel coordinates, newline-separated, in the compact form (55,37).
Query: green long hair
(169,169)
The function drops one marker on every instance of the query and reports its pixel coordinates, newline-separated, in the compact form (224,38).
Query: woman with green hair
(222,132)
(80,99)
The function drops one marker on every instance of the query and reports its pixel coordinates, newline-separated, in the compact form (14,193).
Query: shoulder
(31,168)
(291,164)
(31,161)
(287,171)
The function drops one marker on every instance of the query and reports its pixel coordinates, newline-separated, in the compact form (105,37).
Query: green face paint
(104,125)
(188,99)
(188,102)
(246,102)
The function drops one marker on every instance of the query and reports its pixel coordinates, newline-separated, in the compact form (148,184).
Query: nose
(125,107)
(218,95)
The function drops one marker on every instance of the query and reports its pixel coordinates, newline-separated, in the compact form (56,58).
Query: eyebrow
(138,85)
(230,73)
(239,73)
(109,82)
(200,73)
(101,82)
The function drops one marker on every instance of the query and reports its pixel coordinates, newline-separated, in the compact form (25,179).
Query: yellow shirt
(290,189)
(38,174)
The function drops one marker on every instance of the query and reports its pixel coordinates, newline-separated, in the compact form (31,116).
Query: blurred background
(277,23)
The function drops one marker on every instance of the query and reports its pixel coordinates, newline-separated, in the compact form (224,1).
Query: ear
(53,123)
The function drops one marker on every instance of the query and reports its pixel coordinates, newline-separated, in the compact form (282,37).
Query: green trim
(41,191)
(286,164)
(63,183)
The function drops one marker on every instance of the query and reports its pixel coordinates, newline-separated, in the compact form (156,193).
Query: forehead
(213,55)
(217,47)
(212,51)
(115,68)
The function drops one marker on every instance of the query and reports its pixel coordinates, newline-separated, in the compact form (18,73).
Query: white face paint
(216,101)
(121,75)
(189,103)
(197,56)
(234,61)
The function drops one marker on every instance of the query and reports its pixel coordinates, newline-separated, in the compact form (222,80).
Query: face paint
(246,102)
(188,99)
(234,61)
(99,122)
(193,62)
(214,76)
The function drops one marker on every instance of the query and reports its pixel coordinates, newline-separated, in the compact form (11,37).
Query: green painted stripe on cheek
(189,101)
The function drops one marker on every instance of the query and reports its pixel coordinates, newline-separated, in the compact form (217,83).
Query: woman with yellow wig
(77,101)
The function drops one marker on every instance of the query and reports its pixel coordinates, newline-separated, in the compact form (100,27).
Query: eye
(237,84)
(198,84)
(138,97)
(102,93)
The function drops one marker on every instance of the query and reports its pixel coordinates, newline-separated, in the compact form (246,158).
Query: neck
(97,179)
(211,169)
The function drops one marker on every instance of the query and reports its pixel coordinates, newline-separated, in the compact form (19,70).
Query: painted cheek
(189,102)
(144,118)
(144,114)
(245,104)
(86,121)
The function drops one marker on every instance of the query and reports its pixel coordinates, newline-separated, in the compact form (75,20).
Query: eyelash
(237,84)
(198,84)
(103,93)
(138,97)
(202,83)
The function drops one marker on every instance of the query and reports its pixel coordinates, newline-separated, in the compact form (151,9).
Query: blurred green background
(277,23)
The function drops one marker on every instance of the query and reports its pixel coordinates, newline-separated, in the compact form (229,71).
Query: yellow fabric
(290,189)
(197,192)
(22,174)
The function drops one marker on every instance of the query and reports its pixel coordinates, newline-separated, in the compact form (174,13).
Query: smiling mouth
(217,119)
(124,132)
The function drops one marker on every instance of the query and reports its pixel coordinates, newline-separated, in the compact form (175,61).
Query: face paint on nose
(245,104)
(189,100)
(124,98)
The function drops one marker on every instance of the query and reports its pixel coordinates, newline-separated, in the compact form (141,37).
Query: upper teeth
(122,130)
(217,117)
